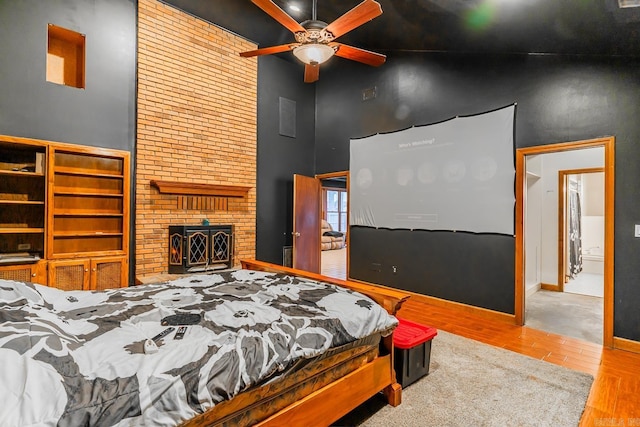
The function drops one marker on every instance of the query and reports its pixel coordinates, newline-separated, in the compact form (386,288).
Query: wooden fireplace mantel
(196,189)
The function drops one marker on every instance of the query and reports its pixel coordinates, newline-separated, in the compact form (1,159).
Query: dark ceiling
(572,27)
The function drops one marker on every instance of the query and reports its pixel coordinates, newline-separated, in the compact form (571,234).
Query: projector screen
(456,175)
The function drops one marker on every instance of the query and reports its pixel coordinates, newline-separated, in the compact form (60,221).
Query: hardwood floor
(333,263)
(615,395)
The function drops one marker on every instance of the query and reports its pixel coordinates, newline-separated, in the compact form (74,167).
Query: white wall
(593,194)
(593,211)
(532,224)
(552,163)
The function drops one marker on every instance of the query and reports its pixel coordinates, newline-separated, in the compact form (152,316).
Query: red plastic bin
(412,343)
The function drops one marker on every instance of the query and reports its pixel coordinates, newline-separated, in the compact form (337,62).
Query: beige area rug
(474,384)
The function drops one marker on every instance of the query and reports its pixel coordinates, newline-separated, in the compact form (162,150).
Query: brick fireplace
(196,133)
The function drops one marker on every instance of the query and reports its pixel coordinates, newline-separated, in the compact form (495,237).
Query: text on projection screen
(456,175)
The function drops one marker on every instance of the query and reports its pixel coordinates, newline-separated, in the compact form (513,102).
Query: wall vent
(369,93)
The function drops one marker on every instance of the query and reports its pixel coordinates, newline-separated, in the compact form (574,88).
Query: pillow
(333,233)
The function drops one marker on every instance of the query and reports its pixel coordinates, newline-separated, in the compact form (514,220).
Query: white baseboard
(532,289)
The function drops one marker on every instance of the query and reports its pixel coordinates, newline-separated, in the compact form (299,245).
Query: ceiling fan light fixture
(313,53)
(628,3)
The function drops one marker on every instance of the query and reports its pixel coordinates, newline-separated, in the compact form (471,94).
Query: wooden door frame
(562,221)
(341,174)
(609,183)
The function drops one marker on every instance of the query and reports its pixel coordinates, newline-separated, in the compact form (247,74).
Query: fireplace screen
(199,248)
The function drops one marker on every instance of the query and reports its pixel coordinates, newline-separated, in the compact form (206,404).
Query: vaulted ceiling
(570,27)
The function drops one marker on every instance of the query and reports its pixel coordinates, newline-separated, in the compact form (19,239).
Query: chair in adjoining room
(331,239)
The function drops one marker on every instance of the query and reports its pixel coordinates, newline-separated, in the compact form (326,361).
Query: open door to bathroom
(580,230)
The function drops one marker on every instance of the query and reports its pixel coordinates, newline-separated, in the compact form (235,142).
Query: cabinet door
(69,275)
(108,273)
(25,273)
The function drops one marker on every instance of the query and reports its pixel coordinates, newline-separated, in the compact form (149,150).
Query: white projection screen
(456,175)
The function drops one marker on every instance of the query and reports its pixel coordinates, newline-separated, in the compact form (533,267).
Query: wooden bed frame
(325,390)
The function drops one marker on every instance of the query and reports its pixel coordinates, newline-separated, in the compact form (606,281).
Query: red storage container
(412,343)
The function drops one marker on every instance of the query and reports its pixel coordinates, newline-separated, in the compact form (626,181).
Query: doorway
(581,225)
(334,224)
(534,254)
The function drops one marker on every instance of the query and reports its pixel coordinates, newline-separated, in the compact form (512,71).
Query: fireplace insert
(198,248)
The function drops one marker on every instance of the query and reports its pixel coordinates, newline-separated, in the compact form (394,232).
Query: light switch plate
(637,233)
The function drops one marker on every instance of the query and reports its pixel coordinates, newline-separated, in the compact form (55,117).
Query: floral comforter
(71,358)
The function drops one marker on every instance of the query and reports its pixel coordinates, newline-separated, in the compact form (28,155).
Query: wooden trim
(581,171)
(562,197)
(520,290)
(332,175)
(609,233)
(608,143)
(316,409)
(566,146)
(346,241)
(126,211)
(27,141)
(86,149)
(485,313)
(20,173)
(626,344)
(197,189)
(550,287)
(391,299)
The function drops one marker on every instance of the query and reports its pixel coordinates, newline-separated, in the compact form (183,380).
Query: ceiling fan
(315,39)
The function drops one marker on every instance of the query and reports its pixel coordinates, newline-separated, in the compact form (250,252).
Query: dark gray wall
(102,114)
(279,157)
(559,99)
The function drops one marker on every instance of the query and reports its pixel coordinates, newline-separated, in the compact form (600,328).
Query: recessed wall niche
(65,57)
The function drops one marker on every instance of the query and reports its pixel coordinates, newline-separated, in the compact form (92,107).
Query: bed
(273,346)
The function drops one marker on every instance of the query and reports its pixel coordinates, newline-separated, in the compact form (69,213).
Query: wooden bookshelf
(22,198)
(88,199)
(67,207)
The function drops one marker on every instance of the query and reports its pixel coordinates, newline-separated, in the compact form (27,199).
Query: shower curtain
(575,235)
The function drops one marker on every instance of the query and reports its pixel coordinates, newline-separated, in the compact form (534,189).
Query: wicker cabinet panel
(25,273)
(108,273)
(69,275)
(89,274)
(19,274)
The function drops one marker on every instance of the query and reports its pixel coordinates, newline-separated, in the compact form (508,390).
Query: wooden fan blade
(360,55)
(364,12)
(311,72)
(279,15)
(268,50)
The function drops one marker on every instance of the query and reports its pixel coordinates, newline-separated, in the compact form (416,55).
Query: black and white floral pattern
(72,358)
